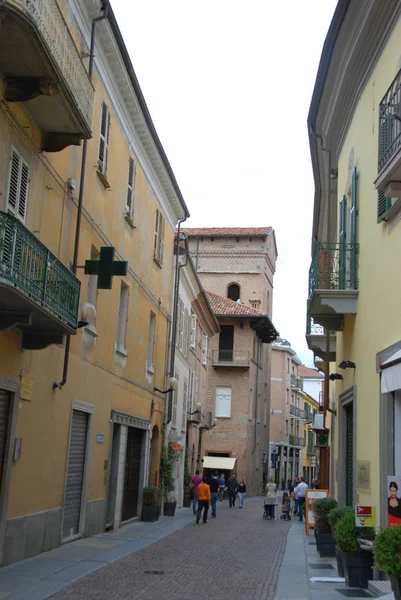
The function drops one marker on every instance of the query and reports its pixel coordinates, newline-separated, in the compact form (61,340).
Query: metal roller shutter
(4,411)
(75,473)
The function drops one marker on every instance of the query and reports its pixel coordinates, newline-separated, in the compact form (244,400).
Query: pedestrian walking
(204,498)
(286,507)
(214,488)
(222,485)
(241,491)
(300,492)
(232,485)
(271,498)
(195,481)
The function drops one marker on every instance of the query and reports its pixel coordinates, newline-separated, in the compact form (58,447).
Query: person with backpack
(214,488)
(232,486)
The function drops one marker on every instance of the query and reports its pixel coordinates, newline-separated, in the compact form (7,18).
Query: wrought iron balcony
(230,358)
(312,451)
(333,284)
(389,163)
(296,382)
(295,411)
(295,440)
(39,295)
(317,340)
(306,415)
(43,67)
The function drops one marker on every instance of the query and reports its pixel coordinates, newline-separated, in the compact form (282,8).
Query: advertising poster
(311,496)
(394,499)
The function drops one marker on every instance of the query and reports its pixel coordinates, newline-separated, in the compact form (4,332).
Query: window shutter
(383,206)
(193,330)
(343,239)
(161,241)
(130,187)
(155,242)
(184,405)
(13,184)
(223,402)
(104,138)
(353,210)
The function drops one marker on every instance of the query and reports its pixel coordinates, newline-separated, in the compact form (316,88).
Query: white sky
(228,85)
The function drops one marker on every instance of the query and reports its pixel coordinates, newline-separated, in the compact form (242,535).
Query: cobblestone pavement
(235,556)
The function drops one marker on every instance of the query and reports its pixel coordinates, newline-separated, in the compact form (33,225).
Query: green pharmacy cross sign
(106,267)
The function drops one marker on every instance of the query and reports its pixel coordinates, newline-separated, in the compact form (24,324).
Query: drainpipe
(174,321)
(256,393)
(60,384)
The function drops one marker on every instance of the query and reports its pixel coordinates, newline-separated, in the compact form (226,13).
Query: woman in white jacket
(271,498)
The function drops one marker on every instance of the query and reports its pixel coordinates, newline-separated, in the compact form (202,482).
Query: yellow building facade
(354,287)
(80,430)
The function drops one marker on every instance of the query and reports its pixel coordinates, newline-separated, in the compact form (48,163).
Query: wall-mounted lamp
(335,376)
(173,383)
(347,364)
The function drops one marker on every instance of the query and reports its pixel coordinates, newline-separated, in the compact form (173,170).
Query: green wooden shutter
(343,240)
(383,206)
(353,209)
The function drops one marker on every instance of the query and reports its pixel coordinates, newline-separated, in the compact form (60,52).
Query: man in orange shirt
(204,497)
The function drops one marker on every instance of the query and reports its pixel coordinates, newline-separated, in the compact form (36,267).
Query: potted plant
(150,503)
(387,554)
(334,516)
(357,563)
(166,472)
(325,541)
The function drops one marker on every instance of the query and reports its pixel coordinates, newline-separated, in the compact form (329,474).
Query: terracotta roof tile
(227,231)
(224,307)
(304,371)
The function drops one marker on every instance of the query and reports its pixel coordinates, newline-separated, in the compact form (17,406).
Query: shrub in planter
(387,553)
(333,517)
(357,563)
(166,471)
(324,538)
(150,502)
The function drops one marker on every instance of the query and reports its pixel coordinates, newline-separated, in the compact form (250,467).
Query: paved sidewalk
(302,561)
(41,576)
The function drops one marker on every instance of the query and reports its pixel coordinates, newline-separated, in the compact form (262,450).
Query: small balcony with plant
(39,295)
(333,284)
(43,68)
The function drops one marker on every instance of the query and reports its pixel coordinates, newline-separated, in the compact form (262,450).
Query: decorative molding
(129,420)
(83,406)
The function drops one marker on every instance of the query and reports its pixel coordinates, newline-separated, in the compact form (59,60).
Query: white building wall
(313,387)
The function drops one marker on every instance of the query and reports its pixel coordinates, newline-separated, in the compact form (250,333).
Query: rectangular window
(223,402)
(193,330)
(184,406)
(287,398)
(122,317)
(18,184)
(204,349)
(186,326)
(288,365)
(104,139)
(158,242)
(151,342)
(286,427)
(129,203)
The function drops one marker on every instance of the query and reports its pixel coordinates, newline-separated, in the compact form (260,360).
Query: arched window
(233,292)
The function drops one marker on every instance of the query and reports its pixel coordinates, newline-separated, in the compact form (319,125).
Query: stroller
(265,515)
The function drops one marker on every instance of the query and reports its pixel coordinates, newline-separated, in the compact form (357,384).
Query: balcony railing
(230,358)
(53,30)
(296,382)
(312,451)
(295,440)
(389,123)
(313,328)
(295,411)
(29,266)
(334,267)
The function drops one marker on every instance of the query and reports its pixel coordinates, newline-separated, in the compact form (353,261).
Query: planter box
(149,513)
(340,566)
(358,568)
(326,544)
(169,509)
(396,586)
(158,511)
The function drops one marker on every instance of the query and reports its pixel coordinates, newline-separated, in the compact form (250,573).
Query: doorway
(226,343)
(349,454)
(132,473)
(346,448)
(5,404)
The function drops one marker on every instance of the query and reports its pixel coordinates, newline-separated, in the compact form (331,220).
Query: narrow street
(237,555)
